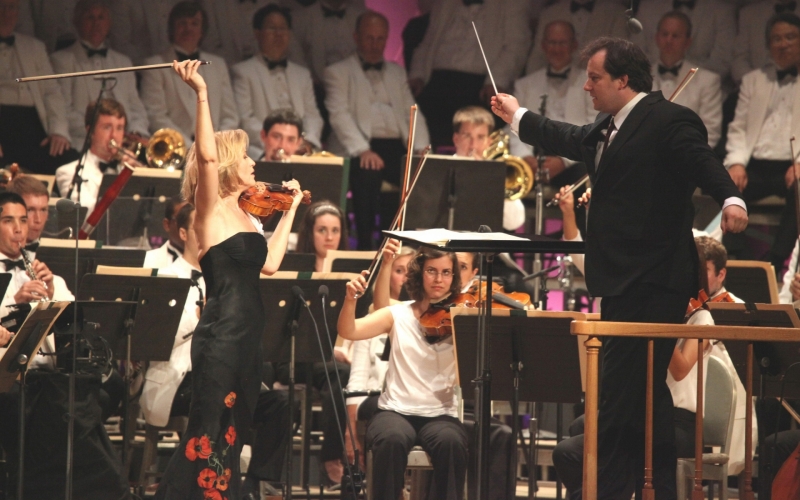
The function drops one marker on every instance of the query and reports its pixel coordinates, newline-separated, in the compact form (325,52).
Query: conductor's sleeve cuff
(733,200)
(516,118)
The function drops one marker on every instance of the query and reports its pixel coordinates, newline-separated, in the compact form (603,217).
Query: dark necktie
(196,275)
(8,40)
(11,264)
(183,57)
(576,6)
(326,12)
(32,246)
(552,74)
(276,64)
(785,7)
(108,167)
(677,4)
(662,70)
(376,66)
(783,73)
(95,52)
(611,129)
(467,3)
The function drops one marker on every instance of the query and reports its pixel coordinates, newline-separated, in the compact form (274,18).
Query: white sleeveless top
(421,377)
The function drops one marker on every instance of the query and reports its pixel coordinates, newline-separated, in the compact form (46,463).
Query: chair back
(720,405)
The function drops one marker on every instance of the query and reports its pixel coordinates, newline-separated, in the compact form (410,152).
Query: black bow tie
(376,66)
(662,70)
(276,64)
(785,7)
(8,40)
(11,264)
(183,57)
(552,74)
(172,254)
(677,4)
(196,275)
(32,246)
(576,6)
(783,73)
(95,52)
(108,167)
(467,3)
(326,12)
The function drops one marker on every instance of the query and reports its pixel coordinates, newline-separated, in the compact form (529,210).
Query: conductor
(645,156)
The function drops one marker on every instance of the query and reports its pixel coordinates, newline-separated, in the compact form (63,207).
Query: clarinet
(29,269)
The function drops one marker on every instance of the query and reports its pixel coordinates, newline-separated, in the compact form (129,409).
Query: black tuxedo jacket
(639,226)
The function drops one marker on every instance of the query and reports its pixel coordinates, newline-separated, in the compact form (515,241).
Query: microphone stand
(542,177)
(71,405)
(451,200)
(77,180)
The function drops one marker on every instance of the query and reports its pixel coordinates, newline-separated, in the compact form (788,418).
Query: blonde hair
(475,115)
(231,147)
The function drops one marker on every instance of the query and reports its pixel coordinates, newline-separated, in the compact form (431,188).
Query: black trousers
(391,436)
(365,186)
(21,132)
(765,178)
(501,446)
(445,93)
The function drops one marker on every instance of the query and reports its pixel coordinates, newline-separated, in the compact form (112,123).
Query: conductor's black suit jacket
(639,226)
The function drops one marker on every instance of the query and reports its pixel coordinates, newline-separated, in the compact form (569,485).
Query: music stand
(22,349)
(62,260)
(301,262)
(487,244)
(450,187)
(752,281)
(139,207)
(348,261)
(544,361)
(326,180)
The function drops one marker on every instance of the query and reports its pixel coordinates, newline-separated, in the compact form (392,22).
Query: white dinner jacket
(79,92)
(47,20)
(751,112)
(256,98)
(347,97)
(229,34)
(162,379)
(505,36)
(139,27)
(607,19)
(528,91)
(47,97)
(703,96)
(172,103)
(750,50)
(92,179)
(713,32)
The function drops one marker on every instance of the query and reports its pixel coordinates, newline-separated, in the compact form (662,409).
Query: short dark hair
(368,15)
(108,107)
(305,233)
(281,117)
(184,215)
(84,6)
(783,17)
(265,11)
(172,203)
(7,197)
(712,251)
(622,58)
(416,266)
(680,16)
(27,184)
(181,10)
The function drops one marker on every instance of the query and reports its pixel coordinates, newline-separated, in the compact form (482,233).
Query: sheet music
(440,237)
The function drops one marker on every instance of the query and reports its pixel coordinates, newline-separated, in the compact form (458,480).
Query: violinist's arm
(364,328)
(684,357)
(207,192)
(280,238)
(381,295)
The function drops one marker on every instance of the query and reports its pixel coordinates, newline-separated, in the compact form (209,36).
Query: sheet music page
(440,237)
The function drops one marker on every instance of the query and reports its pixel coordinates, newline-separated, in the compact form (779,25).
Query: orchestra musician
(644,155)
(419,404)
(36,197)
(281,135)
(100,158)
(226,344)
(323,228)
(171,249)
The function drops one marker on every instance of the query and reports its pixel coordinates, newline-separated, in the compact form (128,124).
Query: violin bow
(97,72)
(675,94)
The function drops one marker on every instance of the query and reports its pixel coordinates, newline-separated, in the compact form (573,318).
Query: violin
(702,299)
(502,299)
(436,321)
(264,199)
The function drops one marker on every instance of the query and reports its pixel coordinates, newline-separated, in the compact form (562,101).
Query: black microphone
(634,26)
(66,206)
(323,291)
(294,314)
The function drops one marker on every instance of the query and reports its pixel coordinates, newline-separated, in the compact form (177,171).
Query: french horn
(519,175)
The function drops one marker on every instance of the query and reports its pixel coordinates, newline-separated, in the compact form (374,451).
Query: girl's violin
(502,299)
(436,320)
(264,199)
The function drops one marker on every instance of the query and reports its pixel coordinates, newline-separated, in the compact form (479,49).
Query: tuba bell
(166,149)
(519,175)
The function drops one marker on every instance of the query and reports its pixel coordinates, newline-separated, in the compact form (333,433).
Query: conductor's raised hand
(734,219)
(504,106)
(297,193)
(356,287)
(187,70)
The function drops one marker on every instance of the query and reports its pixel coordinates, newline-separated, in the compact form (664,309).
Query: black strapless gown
(226,373)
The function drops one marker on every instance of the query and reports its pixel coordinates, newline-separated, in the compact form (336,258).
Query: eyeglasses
(433,273)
